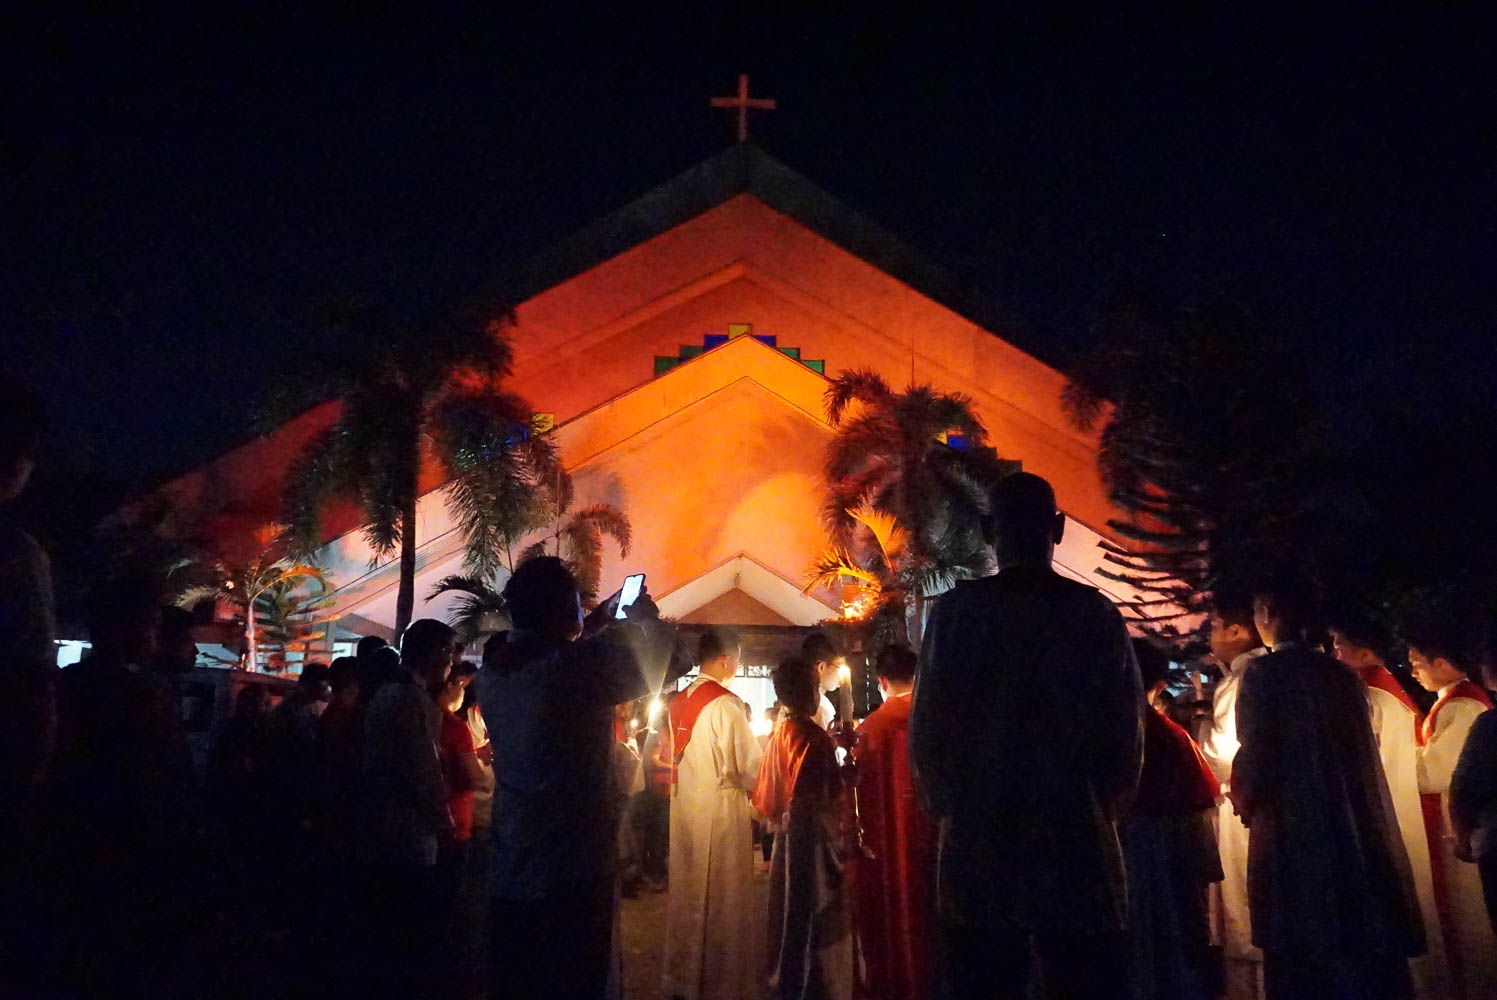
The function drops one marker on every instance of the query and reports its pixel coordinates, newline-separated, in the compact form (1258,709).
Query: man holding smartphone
(547,691)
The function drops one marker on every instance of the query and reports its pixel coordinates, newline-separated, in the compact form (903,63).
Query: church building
(682,346)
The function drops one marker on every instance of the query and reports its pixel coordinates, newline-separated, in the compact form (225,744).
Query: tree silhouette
(435,398)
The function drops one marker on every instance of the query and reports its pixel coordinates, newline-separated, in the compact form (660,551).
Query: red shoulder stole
(684,712)
(1460,689)
(1377,676)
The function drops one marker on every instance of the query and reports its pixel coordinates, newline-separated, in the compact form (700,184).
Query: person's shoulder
(1486,725)
(726,700)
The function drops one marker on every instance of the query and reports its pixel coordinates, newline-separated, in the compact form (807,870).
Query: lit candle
(844,691)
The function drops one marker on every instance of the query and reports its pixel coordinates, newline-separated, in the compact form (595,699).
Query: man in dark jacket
(1026,738)
(547,694)
(1329,883)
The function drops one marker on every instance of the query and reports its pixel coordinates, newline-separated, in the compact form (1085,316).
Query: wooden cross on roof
(743,102)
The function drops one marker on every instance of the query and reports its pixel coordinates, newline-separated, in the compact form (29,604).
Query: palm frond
(860,385)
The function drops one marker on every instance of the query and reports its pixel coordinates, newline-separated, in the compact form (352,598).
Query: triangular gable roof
(746,169)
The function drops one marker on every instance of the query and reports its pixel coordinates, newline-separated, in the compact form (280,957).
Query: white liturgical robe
(1395,724)
(1473,947)
(1219,749)
(714,922)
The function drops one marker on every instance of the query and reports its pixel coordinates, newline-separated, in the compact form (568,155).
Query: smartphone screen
(633,585)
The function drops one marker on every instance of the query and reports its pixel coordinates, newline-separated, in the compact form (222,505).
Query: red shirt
(1175,778)
(456,743)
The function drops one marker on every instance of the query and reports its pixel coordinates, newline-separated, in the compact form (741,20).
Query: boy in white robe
(713,924)
(1395,723)
(1469,940)
(1234,645)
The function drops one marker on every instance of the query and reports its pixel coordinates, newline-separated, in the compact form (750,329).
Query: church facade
(682,347)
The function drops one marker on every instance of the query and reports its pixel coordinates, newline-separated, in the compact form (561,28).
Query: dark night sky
(184,192)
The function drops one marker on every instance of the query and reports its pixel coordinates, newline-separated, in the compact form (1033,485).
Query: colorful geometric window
(664,363)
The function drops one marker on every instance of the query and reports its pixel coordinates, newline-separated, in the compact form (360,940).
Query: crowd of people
(1019,816)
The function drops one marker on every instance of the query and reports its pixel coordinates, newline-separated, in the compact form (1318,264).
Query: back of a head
(896,663)
(1021,514)
(717,640)
(20,433)
(796,685)
(541,596)
(313,676)
(817,648)
(377,669)
(368,645)
(423,640)
(1153,664)
(343,673)
(1289,599)
(124,614)
(1360,629)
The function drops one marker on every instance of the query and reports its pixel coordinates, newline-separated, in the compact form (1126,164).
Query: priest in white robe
(714,925)
(1235,645)
(1395,724)
(1469,939)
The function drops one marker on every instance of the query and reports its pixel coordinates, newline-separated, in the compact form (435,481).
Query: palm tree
(294,613)
(917,458)
(408,401)
(271,584)
(576,536)
(478,609)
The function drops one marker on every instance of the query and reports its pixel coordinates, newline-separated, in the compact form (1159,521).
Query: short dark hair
(1234,608)
(1153,663)
(117,605)
(896,663)
(369,644)
(1021,511)
(344,672)
(1439,636)
(313,674)
(461,669)
(1362,630)
(1290,599)
(795,684)
(176,621)
(817,648)
(540,594)
(21,421)
(715,641)
(423,639)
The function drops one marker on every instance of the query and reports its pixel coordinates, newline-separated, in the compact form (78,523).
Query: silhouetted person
(404,813)
(378,663)
(1473,802)
(1329,886)
(1026,738)
(178,649)
(118,797)
(547,697)
(339,762)
(812,951)
(292,791)
(28,669)
(1170,845)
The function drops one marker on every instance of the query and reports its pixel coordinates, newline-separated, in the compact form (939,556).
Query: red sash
(684,712)
(1434,824)
(1377,676)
